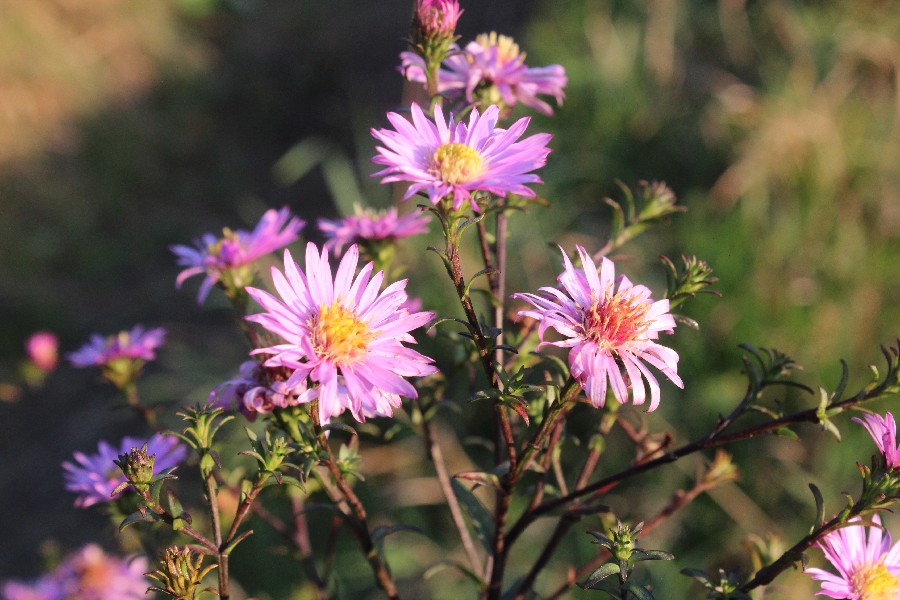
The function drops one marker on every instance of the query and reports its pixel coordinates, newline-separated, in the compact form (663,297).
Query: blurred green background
(126,127)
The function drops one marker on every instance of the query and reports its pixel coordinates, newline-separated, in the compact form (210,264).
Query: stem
(359,525)
(146,414)
(767,574)
(221,556)
(440,468)
(712,440)
(302,542)
(189,531)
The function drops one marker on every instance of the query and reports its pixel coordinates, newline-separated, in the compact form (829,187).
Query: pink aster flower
(226,260)
(95,476)
(492,70)
(92,574)
(444,159)
(868,569)
(884,431)
(611,330)
(259,389)
(342,334)
(42,348)
(368,225)
(137,344)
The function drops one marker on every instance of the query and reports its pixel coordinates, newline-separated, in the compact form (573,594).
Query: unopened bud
(137,466)
(180,574)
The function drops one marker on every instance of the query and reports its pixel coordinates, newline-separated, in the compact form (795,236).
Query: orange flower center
(456,163)
(339,334)
(617,320)
(875,582)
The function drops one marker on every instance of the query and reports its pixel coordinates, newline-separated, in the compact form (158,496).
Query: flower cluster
(444,159)
(259,389)
(609,324)
(370,226)
(94,477)
(226,261)
(88,574)
(342,334)
(491,70)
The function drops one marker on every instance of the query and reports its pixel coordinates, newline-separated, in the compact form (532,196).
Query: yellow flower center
(456,163)
(616,320)
(507,49)
(339,335)
(875,582)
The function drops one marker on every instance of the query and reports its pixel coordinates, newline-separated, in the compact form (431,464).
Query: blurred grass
(126,127)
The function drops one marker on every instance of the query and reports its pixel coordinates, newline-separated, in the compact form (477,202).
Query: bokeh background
(126,127)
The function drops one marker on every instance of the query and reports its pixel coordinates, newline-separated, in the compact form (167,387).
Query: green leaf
(639,591)
(451,564)
(140,516)
(642,555)
(379,533)
(338,426)
(820,507)
(481,478)
(701,576)
(600,574)
(481,520)
(786,432)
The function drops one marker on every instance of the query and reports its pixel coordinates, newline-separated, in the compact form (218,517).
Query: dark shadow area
(86,226)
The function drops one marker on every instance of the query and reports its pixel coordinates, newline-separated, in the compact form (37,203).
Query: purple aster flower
(45,587)
(868,569)
(492,70)
(95,476)
(259,389)
(444,159)
(608,329)
(226,260)
(135,344)
(367,225)
(884,431)
(342,334)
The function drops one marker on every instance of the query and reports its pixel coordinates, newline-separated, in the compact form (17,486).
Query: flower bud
(137,466)
(435,21)
(180,573)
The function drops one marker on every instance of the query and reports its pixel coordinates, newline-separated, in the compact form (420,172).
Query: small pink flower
(136,344)
(492,70)
(609,330)
(43,350)
(342,335)
(92,574)
(884,431)
(370,226)
(447,159)
(226,260)
(95,476)
(868,569)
